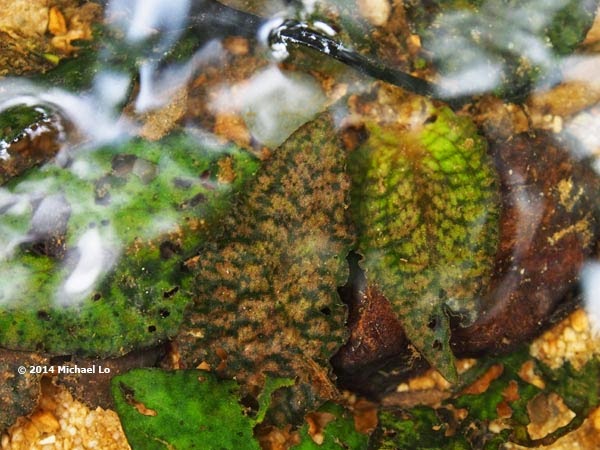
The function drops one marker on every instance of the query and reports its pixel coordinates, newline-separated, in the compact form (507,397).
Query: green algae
(211,413)
(92,260)
(426,205)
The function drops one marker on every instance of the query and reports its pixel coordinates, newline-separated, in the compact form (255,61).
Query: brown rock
(548,228)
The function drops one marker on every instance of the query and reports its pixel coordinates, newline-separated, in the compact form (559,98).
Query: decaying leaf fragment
(426,205)
(266,299)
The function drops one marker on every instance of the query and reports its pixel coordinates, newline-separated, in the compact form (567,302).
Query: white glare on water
(273,103)
(152,27)
(93,117)
(157,90)
(482,38)
(142,19)
(590,283)
(95,257)
(111,87)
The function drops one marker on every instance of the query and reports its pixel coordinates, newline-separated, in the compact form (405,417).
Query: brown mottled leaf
(266,293)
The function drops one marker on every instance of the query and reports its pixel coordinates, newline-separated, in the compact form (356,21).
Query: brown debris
(25,45)
(365,415)
(481,385)
(226,173)
(273,438)
(407,400)
(570,340)
(56,22)
(236,45)
(564,100)
(76,26)
(587,436)
(232,127)
(158,123)
(317,421)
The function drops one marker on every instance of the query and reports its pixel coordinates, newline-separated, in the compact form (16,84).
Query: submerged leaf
(426,206)
(266,299)
(181,410)
(92,252)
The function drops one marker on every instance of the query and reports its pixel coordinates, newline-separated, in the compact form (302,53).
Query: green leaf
(132,213)
(426,205)
(339,433)
(266,298)
(181,410)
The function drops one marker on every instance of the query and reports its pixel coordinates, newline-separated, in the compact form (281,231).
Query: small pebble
(377,12)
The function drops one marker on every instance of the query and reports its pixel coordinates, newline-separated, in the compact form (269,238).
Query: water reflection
(143,19)
(273,103)
(590,281)
(94,257)
(497,45)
